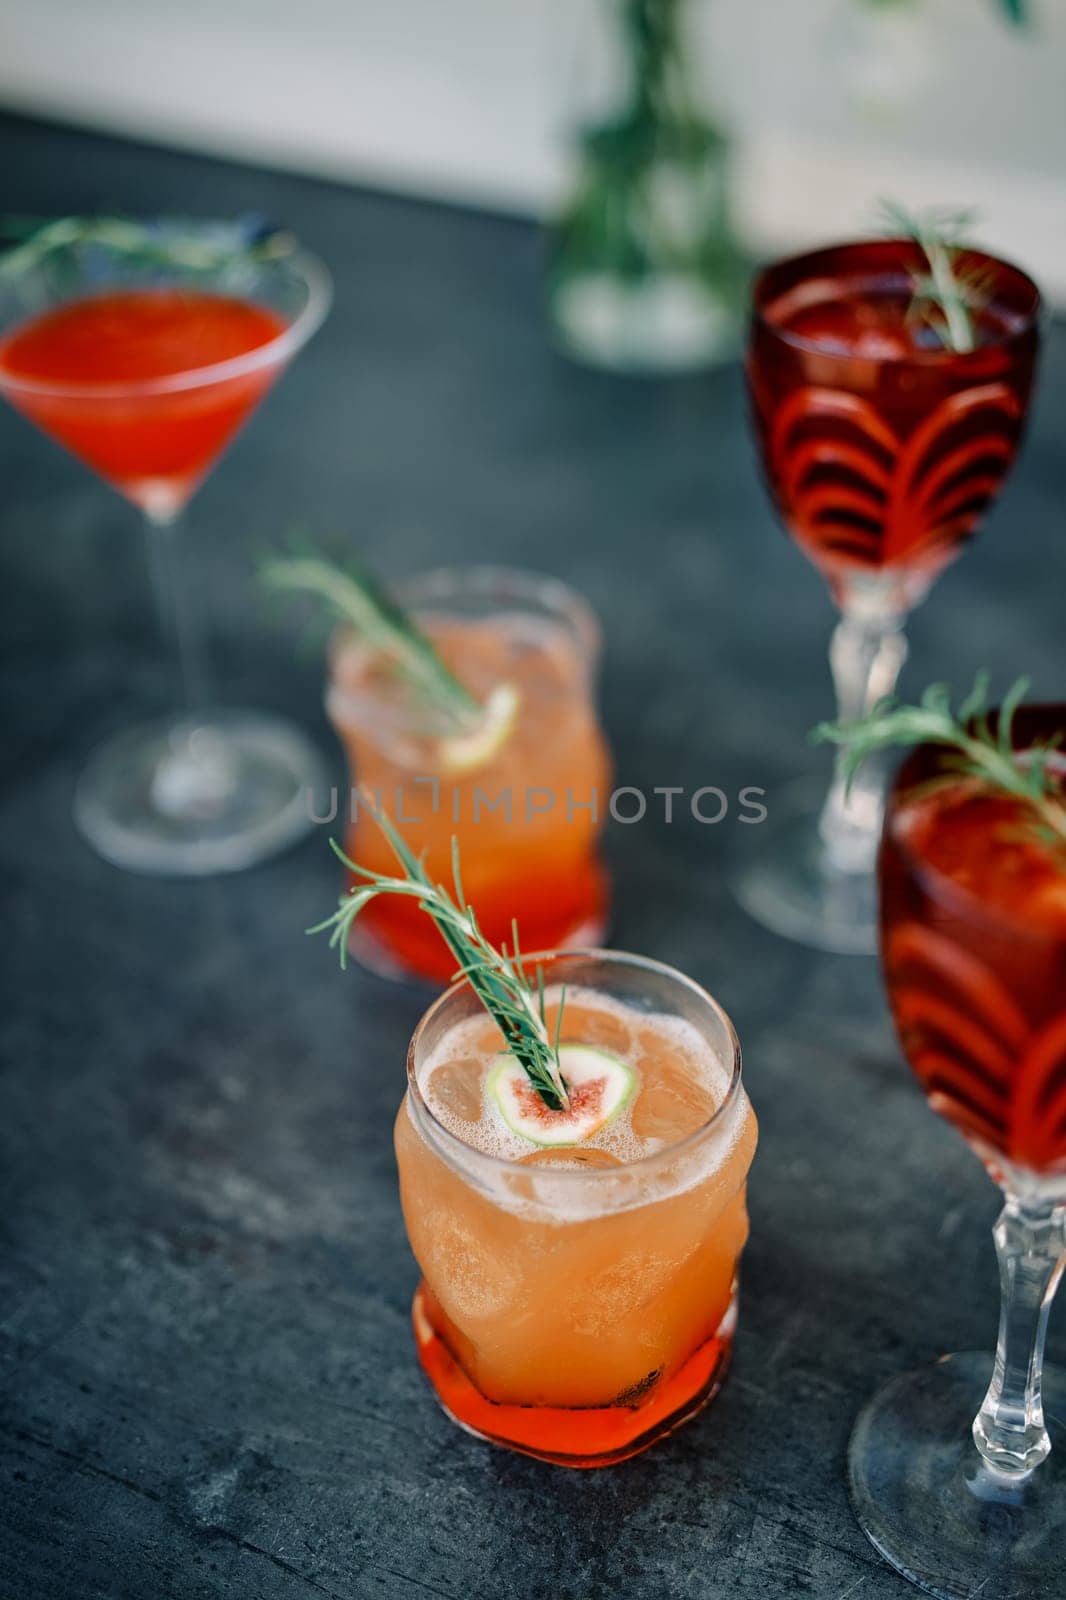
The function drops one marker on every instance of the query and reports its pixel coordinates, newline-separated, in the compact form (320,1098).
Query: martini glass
(145,369)
(881,449)
(958,1471)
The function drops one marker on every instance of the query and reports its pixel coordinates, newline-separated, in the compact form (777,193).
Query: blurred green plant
(1015,11)
(644,271)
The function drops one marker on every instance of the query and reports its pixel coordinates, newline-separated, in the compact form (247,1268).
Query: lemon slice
(466,751)
(599,1086)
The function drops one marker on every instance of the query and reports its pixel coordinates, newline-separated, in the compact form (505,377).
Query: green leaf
(947,298)
(1010,703)
(496,979)
(975,751)
(164,242)
(977,699)
(355,597)
(937,698)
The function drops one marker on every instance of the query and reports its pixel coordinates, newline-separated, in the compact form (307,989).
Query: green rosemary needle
(357,599)
(976,751)
(167,242)
(496,976)
(948,296)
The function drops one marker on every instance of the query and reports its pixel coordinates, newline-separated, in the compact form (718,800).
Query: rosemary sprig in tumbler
(497,977)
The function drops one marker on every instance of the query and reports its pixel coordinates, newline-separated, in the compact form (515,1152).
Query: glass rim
(946,890)
(421,589)
(463,1155)
(281,347)
(919,358)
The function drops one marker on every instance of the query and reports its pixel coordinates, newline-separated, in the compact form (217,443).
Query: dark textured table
(209,1385)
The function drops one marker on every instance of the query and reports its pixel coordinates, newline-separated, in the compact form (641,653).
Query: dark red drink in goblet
(973,939)
(973,930)
(882,446)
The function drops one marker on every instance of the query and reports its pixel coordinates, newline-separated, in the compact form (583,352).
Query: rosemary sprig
(356,598)
(168,242)
(977,751)
(496,976)
(949,295)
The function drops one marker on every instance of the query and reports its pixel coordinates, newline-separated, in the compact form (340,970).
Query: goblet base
(786,881)
(188,799)
(928,1504)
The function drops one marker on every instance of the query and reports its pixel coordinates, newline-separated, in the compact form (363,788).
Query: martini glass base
(932,1509)
(784,880)
(188,799)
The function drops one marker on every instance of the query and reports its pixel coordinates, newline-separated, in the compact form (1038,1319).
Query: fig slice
(599,1084)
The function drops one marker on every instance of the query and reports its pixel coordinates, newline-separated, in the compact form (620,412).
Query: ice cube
(454,1089)
(674,1098)
(585,1024)
(628,1284)
(469,1278)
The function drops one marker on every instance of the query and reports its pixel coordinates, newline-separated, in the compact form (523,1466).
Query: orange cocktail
(526,803)
(578,1302)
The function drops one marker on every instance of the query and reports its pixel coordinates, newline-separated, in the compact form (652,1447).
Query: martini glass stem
(1009,1429)
(181,634)
(196,778)
(867,651)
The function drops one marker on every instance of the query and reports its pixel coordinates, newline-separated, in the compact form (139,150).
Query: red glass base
(400,941)
(592,1436)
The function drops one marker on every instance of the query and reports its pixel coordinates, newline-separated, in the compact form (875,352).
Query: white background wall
(472,99)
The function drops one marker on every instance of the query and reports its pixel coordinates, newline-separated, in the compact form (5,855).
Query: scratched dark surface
(209,1386)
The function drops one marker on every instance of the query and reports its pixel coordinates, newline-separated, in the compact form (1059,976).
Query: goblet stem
(198,775)
(866,653)
(1009,1429)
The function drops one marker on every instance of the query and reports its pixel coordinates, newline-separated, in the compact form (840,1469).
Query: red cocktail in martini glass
(144,364)
(882,446)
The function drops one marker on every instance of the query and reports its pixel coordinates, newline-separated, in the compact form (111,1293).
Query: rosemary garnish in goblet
(975,750)
(947,298)
(497,977)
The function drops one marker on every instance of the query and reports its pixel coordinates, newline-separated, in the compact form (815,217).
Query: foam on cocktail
(681,1084)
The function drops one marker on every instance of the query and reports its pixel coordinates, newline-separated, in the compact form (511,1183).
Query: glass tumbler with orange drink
(467,711)
(579,1301)
(573,1152)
